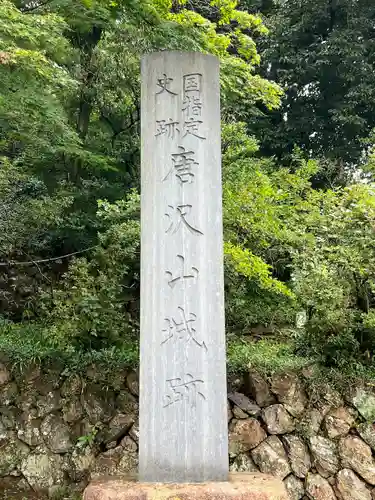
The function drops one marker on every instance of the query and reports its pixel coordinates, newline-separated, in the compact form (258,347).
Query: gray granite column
(183,413)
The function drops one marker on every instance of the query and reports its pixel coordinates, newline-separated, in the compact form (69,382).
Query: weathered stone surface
(364,401)
(48,403)
(298,454)
(11,455)
(72,410)
(328,398)
(13,487)
(47,382)
(132,383)
(82,461)
(127,403)
(9,416)
(134,431)
(246,435)
(350,487)
(232,424)
(243,463)
(98,404)
(277,419)
(29,430)
(289,391)
(41,449)
(81,428)
(129,460)
(235,383)
(4,434)
(294,487)
(106,463)
(356,454)
(229,412)
(259,389)
(325,456)
(117,427)
(72,386)
(129,444)
(115,461)
(172,439)
(43,471)
(318,488)
(8,394)
(95,375)
(4,375)
(311,422)
(367,433)
(116,380)
(244,403)
(26,400)
(242,487)
(56,434)
(271,458)
(238,413)
(338,422)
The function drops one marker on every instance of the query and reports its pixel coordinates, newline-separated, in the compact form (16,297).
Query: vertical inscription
(192,104)
(183,165)
(182,342)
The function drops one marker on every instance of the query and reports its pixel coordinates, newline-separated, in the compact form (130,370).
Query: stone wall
(58,428)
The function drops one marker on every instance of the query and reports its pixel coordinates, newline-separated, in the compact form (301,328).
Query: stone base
(241,486)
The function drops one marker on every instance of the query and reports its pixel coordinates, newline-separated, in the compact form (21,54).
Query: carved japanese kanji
(191,127)
(192,106)
(167,127)
(183,439)
(192,83)
(182,274)
(177,218)
(164,84)
(188,389)
(182,329)
(182,164)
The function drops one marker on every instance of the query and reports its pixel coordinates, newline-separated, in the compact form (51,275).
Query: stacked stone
(316,445)
(60,430)
(63,429)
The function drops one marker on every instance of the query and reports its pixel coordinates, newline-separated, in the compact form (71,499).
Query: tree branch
(41,261)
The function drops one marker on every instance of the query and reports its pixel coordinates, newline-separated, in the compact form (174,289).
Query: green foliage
(29,342)
(33,52)
(69,177)
(259,204)
(290,247)
(92,307)
(334,276)
(321,53)
(266,356)
(88,439)
(228,36)
(246,264)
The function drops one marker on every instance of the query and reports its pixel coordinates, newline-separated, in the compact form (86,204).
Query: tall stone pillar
(183,409)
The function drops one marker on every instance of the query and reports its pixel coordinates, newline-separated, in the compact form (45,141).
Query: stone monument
(183,412)
(183,442)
